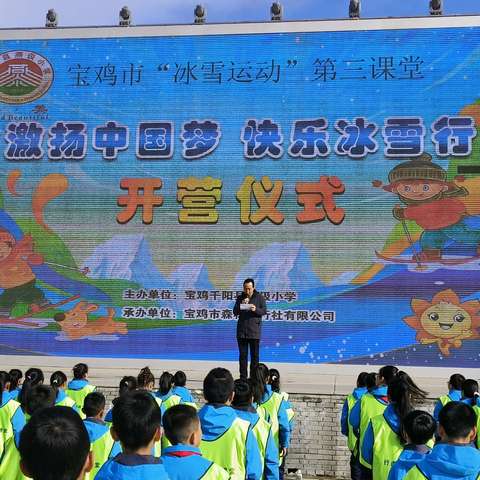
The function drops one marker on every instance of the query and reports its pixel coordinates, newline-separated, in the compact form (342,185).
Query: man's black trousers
(243,344)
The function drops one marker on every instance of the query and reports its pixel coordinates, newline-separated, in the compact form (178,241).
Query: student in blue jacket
(455,384)
(262,430)
(418,429)
(102,444)
(470,394)
(136,425)
(454,457)
(55,444)
(183,459)
(227,440)
(179,382)
(16,377)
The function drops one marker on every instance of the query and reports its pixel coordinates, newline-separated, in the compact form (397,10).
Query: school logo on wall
(24,76)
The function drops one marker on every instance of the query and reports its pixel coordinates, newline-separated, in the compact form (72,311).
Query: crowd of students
(62,431)
(389,439)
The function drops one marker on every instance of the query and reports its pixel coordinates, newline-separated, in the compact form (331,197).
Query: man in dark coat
(249,308)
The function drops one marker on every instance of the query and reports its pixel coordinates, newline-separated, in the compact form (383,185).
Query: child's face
(5,250)
(419,189)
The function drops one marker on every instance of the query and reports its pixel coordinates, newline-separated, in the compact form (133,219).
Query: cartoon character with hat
(16,276)
(434,203)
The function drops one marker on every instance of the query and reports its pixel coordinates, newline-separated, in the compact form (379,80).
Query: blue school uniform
(393,420)
(108,416)
(453,396)
(270,464)
(216,421)
(101,441)
(357,394)
(380,393)
(411,456)
(184,394)
(64,400)
(185,462)
(448,462)
(283,422)
(10,439)
(13,395)
(133,467)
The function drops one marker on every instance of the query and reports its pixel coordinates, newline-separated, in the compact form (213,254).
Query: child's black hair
(420,427)
(218,386)
(260,379)
(145,378)
(362,379)
(456,381)
(470,388)
(457,420)
(179,379)
(243,393)
(274,379)
(4,381)
(417,395)
(399,394)
(57,379)
(371,380)
(15,377)
(127,384)
(136,417)
(165,383)
(33,377)
(80,371)
(39,397)
(93,404)
(179,422)
(388,373)
(54,444)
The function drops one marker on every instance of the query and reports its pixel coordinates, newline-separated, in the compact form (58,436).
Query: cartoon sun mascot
(445,320)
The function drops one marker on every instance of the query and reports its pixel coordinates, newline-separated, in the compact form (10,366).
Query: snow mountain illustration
(190,276)
(126,257)
(280,266)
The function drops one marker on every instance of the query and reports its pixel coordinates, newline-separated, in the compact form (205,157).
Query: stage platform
(297,378)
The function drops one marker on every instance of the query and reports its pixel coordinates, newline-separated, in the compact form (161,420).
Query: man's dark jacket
(249,323)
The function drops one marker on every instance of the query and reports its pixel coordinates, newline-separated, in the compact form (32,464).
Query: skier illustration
(435,204)
(21,265)
(16,276)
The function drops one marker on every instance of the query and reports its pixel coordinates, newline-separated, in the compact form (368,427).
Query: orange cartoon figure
(445,320)
(439,207)
(16,276)
(76,324)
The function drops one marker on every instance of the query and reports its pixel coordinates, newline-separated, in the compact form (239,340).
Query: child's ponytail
(145,378)
(165,383)
(4,382)
(33,376)
(57,379)
(274,376)
(15,377)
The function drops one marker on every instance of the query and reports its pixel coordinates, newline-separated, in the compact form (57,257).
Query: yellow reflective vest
(229,450)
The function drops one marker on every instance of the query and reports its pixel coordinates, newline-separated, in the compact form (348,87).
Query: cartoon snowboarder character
(16,276)
(435,204)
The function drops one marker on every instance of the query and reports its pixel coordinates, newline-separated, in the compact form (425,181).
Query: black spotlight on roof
(276,12)
(354,9)
(51,19)
(125,17)
(436,7)
(200,14)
